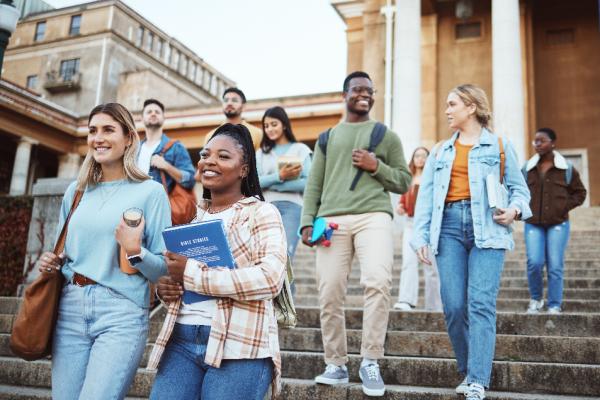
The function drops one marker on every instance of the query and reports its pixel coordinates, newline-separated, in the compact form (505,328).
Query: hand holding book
(175,264)
(289,167)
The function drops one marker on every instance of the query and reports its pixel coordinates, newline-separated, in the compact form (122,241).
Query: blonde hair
(471,94)
(91,171)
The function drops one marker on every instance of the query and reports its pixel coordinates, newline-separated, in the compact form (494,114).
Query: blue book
(202,241)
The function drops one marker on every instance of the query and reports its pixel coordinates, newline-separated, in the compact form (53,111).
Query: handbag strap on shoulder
(60,243)
(163,177)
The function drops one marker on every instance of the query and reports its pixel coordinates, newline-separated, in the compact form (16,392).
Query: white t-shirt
(202,313)
(145,155)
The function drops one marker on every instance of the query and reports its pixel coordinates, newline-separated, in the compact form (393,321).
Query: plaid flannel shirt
(245,325)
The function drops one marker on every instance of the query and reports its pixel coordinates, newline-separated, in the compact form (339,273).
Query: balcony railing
(56,83)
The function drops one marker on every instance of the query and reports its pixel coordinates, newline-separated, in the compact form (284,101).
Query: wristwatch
(136,259)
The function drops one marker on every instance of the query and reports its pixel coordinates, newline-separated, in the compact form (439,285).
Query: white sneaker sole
(373,392)
(461,390)
(329,381)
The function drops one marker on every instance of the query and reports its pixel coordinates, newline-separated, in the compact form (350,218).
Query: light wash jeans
(546,245)
(183,375)
(290,216)
(408,291)
(98,343)
(470,280)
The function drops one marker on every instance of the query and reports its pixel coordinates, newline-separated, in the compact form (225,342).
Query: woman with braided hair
(226,347)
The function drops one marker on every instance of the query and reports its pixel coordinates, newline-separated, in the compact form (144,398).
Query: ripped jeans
(546,245)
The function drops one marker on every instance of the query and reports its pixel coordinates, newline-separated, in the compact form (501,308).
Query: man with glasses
(363,212)
(233,107)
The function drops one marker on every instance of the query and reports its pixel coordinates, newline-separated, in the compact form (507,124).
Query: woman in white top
(283,165)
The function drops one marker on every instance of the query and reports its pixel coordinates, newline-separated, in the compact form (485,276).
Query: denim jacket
(484,159)
(177,156)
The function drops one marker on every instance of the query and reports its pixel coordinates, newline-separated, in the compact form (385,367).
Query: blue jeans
(469,280)
(290,216)
(546,245)
(182,373)
(99,341)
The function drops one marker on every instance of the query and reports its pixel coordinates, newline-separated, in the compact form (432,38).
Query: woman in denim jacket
(466,236)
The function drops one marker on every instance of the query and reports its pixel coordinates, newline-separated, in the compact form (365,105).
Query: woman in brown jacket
(555,189)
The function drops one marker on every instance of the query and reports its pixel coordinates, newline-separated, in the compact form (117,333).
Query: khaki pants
(370,236)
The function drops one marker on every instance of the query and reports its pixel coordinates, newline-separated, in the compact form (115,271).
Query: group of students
(227,347)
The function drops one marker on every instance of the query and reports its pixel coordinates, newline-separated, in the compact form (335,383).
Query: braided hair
(241,135)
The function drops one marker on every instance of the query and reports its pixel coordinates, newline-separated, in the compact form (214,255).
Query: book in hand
(496,193)
(203,241)
(284,160)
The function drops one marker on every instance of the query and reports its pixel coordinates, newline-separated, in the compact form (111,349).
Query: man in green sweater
(364,216)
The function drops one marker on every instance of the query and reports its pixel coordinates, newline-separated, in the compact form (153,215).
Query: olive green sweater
(327,191)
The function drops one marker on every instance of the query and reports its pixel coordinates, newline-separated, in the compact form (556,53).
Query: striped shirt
(245,326)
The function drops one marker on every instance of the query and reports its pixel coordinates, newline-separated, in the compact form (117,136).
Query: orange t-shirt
(458,189)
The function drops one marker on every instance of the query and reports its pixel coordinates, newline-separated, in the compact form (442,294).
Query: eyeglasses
(359,89)
(540,141)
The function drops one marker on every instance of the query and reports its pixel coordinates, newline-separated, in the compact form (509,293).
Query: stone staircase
(538,357)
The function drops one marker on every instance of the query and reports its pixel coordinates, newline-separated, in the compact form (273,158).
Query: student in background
(556,189)
(408,292)
(227,347)
(467,237)
(282,180)
(102,325)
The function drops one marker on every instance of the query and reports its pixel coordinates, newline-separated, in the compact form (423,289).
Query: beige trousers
(370,235)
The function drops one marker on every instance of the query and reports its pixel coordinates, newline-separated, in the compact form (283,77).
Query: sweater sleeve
(393,174)
(260,281)
(313,189)
(577,191)
(157,216)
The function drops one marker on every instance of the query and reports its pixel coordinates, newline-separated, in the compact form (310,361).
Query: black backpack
(377,135)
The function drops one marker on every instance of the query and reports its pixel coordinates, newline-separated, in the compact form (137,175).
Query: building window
(160,48)
(40,31)
(69,68)
(167,54)
(140,37)
(194,71)
(75,27)
(467,30)
(150,42)
(32,81)
(559,37)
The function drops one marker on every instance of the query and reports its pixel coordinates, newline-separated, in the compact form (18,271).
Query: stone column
(68,165)
(374,52)
(406,103)
(18,182)
(507,74)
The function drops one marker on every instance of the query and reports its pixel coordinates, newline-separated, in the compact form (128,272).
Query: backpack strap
(377,135)
(167,147)
(502,158)
(322,141)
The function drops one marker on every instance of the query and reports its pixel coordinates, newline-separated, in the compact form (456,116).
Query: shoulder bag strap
(60,243)
(163,178)
(502,158)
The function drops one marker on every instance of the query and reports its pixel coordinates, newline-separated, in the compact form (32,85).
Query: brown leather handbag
(32,331)
(182,200)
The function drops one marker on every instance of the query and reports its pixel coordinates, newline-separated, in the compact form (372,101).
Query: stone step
(502,304)
(578,350)
(508,323)
(309,265)
(507,282)
(506,293)
(9,392)
(299,389)
(551,378)
(507,273)
(306,389)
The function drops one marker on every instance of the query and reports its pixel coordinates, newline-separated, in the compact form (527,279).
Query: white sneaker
(535,306)
(475,392)
(554,310)
(402,306)
(463,387)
